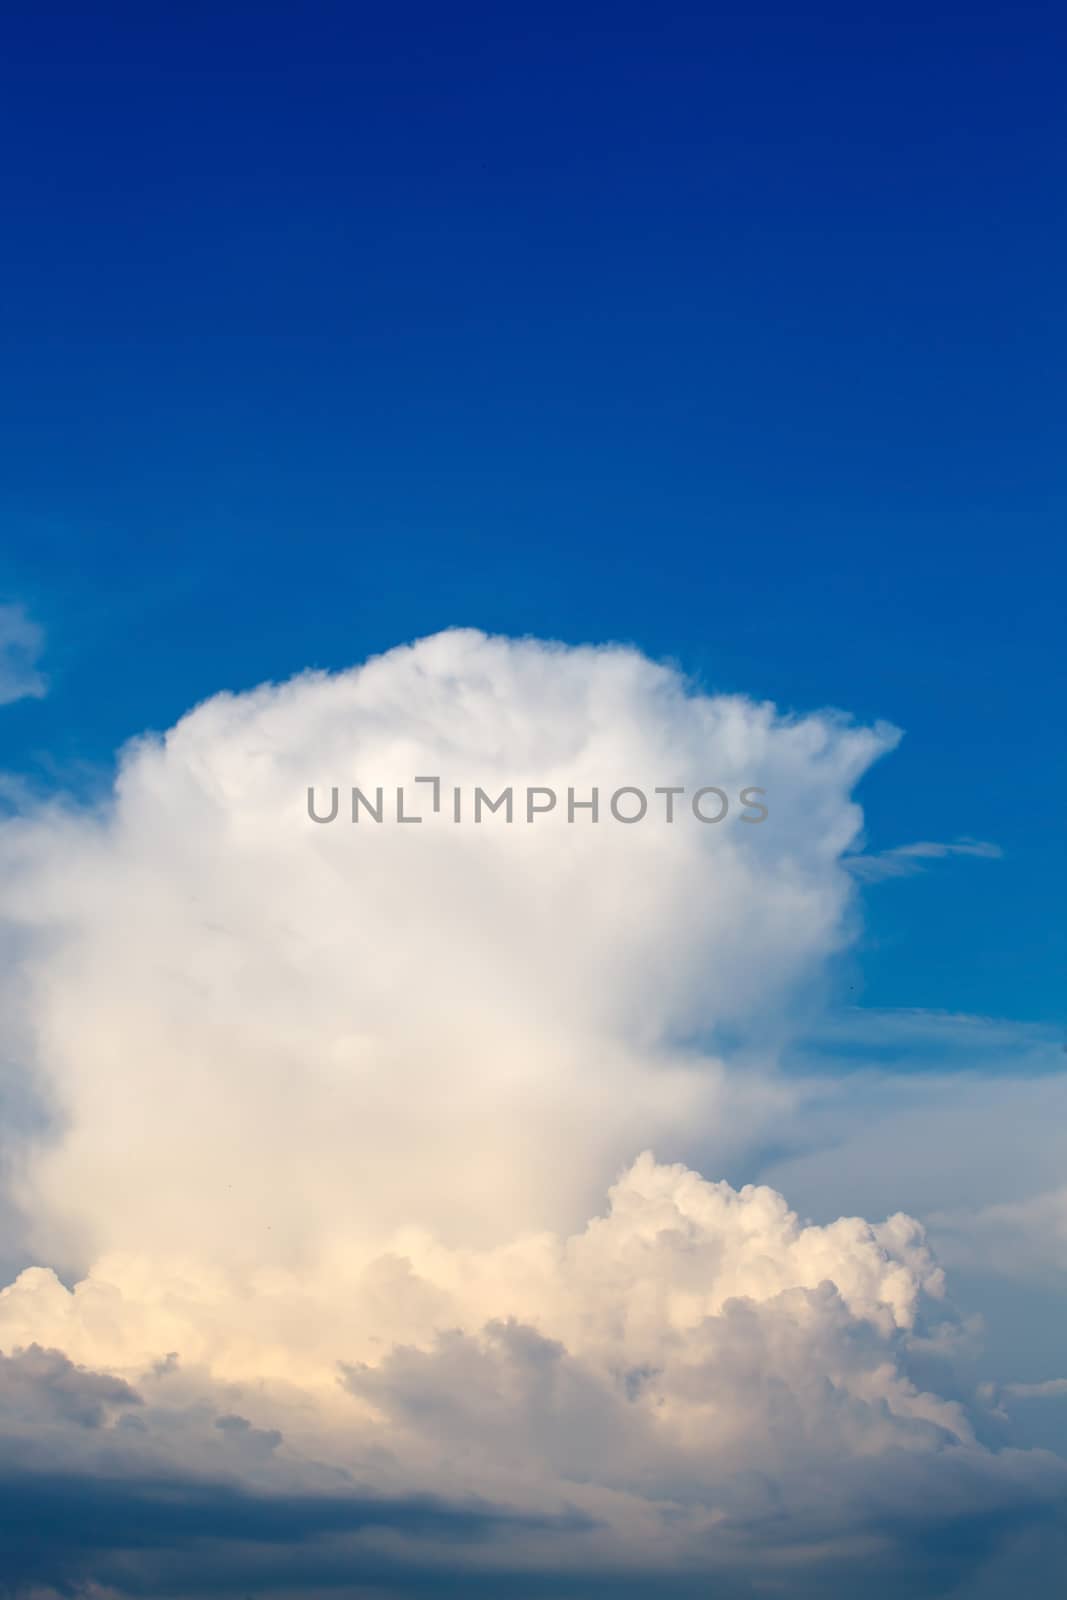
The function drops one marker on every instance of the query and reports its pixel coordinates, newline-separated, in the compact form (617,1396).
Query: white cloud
(1051,1388)
(906,860)
(390,1024)
(690,1364)
(21,644)
(346,1100)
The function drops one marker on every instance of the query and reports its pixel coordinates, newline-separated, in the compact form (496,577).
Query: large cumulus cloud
(471,1027)
(336,1175)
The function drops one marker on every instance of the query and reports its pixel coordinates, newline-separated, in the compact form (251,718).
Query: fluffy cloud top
(273,1032)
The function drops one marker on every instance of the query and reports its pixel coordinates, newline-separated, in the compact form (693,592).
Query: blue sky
(735,334)
(366,1196)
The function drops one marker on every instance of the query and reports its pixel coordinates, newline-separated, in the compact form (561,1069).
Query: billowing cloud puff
(339,1155)
(273,1032)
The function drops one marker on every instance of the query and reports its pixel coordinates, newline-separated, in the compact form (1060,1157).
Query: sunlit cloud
(372,1171)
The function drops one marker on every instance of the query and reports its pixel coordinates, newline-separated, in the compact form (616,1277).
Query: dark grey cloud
(178,1540)
(96,1487)
(45,1386)
(101,1513)
(98,1501)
